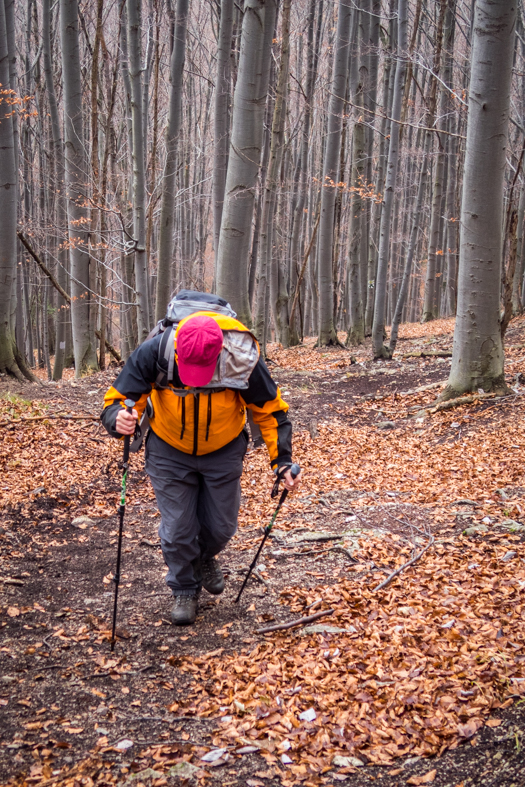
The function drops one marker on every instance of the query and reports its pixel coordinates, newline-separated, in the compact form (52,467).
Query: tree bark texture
(76,170)
(221,119)
(134,9)
(378,327)
(478,357)
(327,331)
(232,261)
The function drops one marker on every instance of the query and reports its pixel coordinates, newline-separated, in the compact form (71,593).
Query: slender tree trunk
(270,261)
(327,331)
(430,311)
(357,247)
(61,207)
(221,121)
(378,328)
(478,357)
(11,361)
(76,173)
(134,9)
(232,260)
(165,250)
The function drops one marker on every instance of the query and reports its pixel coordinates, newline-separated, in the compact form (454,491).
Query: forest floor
(419,683)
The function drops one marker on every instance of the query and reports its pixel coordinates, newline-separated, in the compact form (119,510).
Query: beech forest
(349,176)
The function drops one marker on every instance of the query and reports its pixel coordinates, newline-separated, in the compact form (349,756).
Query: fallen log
(294,623)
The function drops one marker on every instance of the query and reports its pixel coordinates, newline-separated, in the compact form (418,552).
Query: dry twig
(293,623)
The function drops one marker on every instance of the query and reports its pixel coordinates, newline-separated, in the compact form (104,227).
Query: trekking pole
(129,405)
(295,470)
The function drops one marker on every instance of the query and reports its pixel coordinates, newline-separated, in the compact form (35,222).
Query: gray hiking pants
(198,498)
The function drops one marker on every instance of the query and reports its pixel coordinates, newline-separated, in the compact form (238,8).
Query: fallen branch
(293,623)
(109,347)
(303,266)
(46,417)
(428,354)
(346,552)
(398,571)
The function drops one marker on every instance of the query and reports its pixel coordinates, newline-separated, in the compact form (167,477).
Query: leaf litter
(412,670)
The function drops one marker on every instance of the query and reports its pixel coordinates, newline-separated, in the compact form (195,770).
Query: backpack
(186,302)
(238,357)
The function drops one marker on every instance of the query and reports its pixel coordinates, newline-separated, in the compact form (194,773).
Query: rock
(465,502)
(346,762)
(82,520)
(308,715)
(214,755)
(317,535)
(148,773)
(386,425)
(183,770)
(323,629)
(512,525)
(475,530)
(124,744)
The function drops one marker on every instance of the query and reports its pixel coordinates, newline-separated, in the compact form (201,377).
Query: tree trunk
(378,327)
(221,121)
(134,9)
(327,331)
(478,357)
(75,171)
(232,260)
(270,260)
(165,250)
(11,361)
(61,207)
(430,311)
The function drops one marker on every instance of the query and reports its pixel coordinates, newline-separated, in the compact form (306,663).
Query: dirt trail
(377,481)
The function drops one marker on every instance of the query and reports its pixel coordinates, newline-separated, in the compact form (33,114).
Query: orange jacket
(199,422)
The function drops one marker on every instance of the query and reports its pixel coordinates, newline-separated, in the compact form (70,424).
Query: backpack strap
(167,352)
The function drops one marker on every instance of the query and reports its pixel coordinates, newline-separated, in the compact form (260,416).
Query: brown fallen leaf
(493,722)
(426,778)
(13,612)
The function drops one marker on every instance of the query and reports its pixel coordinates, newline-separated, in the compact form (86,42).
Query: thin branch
(293,623)
(398,571)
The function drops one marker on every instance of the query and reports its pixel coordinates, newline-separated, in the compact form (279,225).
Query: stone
(475,530)
(82,520)
(214,755)
(308,715)
(347,762)
(512,525)
(323,629)
(386,425)
(183,770)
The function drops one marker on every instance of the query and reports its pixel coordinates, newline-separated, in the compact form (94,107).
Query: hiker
(194,380)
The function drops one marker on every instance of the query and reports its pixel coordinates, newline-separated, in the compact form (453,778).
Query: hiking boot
(184,610)
(212,576)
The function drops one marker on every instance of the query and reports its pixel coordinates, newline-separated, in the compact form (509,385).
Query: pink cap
(199,343)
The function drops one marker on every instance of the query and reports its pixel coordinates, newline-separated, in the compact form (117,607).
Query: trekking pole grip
(129,404)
